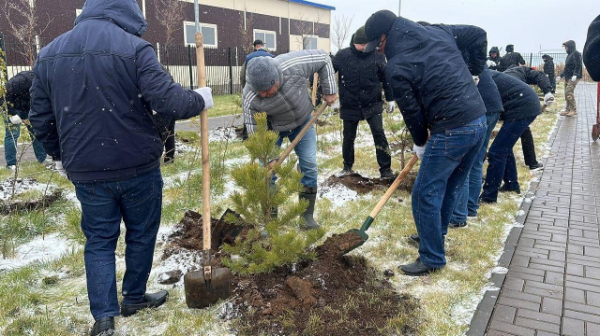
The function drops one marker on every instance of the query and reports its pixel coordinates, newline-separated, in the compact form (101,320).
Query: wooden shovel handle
(301,135)
(206,223)
(394,186)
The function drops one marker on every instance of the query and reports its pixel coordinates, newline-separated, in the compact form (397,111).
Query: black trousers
(170,143)
(528,147)
(381,144)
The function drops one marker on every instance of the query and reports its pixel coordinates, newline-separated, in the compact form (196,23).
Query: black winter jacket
(591,52)
(531,77)
(519,99)
(496,59)
(573,64)
(549,68)
(510,60)
(17,94)
(361,77)
(431,84)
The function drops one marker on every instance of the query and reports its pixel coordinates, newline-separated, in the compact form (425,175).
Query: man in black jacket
(437,93)
(550,71)
(494,59)
(572,74)
(532,77)
(591,51)
(361,77)
(18,103)
(511,59)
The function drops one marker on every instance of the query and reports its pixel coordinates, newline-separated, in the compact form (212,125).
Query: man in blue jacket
(92,99)
(437,93)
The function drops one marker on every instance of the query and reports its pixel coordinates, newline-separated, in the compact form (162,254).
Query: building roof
(312,4)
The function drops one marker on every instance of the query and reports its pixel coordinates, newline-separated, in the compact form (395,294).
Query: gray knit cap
(261,73)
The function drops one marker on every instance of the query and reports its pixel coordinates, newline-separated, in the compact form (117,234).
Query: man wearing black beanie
(436,91)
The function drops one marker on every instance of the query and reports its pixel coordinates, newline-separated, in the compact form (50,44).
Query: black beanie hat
(379,23)
(360,37)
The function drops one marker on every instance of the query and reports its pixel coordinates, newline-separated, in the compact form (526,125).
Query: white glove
(549,99)
(476,79)
(574,78)
(206,94)
(490,63)
(16,120)
(60,169)
(558,79)
(419,150)
(391,106)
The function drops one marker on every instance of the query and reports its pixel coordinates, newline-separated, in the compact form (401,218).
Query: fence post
(190,66)
(230,71)
(531,60)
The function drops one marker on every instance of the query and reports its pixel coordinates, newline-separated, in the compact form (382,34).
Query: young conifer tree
(284,241)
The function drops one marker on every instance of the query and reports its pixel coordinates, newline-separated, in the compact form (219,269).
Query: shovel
(596,127)
(362,232)
(205,288)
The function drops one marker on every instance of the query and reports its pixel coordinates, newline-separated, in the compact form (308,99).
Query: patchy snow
(338,194)
(39,250)
(500,270)
(182,147)
(520,213)
(21,186)
(223,134)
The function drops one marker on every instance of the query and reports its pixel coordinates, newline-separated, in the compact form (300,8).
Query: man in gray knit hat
(279,87)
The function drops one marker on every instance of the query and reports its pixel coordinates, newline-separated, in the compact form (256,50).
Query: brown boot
(572,114)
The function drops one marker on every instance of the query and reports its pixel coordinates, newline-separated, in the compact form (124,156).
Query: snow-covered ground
(39,250)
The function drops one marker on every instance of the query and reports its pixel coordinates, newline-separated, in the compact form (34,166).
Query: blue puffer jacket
(93,92)
(431,83)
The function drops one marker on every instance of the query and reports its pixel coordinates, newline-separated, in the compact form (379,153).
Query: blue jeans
(468,200)
(138,202)
(306,151)
(11,135)
(502,163)
(444,168)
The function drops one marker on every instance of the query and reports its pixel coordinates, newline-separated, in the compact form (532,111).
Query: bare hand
(330,99)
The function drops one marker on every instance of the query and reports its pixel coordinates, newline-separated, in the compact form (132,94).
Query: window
(209,32)
(78,12)
(310,42)
(268,37)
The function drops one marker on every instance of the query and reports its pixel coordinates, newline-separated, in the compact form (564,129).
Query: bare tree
(247,32)
(341,31)
(169,13)
(306,30)
(22,17)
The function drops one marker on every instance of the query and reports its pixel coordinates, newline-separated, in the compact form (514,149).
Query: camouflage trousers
(570,95)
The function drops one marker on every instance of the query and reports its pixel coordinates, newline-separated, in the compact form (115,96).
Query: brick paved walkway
(553,283)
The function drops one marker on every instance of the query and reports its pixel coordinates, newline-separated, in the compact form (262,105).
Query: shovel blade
(198,295)
(596,132)
(362,235)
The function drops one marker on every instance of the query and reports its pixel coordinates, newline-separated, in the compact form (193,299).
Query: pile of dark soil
(364,185)
(332,295)
(13,206)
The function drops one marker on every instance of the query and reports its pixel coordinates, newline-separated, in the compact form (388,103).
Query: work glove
(419,150)
(206,94)
(574,78)
(16,120)
(490,63)
(391,106)
(476,79)
(558,79)
(549,99)
(60,169)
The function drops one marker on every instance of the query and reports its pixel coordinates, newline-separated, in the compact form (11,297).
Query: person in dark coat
(437,93)
(91,107)
(18,103)
(550,71)
(511,59)
(572,73)
(591,51)
(494,58)
(361,78)
(531,77)
(521,108)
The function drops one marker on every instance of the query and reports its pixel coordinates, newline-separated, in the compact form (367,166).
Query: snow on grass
(338,194)
(8,187)
(38,250)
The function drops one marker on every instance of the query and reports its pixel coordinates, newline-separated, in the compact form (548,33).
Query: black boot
(104,327)
(150,301)
(387,174)
(506,188)
(417,268)
(309,194)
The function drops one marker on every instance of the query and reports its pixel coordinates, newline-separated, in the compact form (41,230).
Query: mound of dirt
(331,295)
(8,187)
(364,185)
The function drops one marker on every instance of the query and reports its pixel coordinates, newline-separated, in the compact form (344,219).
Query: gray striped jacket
(291,105)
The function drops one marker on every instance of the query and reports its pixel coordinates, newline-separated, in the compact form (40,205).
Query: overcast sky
(528,24)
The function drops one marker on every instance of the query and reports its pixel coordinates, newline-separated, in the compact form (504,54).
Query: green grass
(58,306)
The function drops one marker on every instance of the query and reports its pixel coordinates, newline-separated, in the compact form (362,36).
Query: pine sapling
(272,241)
